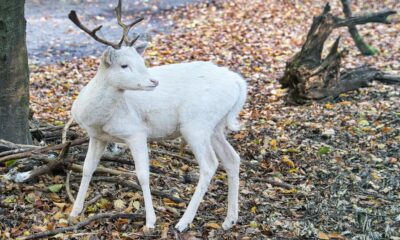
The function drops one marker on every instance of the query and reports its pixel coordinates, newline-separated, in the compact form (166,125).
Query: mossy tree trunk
(14,76)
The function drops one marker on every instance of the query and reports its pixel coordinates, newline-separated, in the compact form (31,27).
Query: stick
(50,128)
(110,215)
(43,149)
(194,162)
(68,187)
(188,160)
(110,158)
(92,201)
(65,130)
(136,187)
(79,168)
(174,146)
(12,145)
(14,148)
(274,183)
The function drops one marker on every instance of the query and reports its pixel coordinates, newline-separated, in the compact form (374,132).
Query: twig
(83,224)
(188,160)
(68,187)
(65,130)
(10,152)
(193,162)
(136,187)
(15,148)
(274,183)
(29,153)
(12,145)
(109,158)
(175,147)
(79,168)
(50,128)
(91,201)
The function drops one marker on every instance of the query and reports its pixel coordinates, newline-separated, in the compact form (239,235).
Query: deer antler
(126,28)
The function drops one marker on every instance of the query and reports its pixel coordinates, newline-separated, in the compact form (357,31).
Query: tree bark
(14,76)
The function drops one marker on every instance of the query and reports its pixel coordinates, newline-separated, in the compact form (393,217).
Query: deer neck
(96,104)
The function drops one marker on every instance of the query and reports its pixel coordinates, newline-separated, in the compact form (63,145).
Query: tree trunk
(14,76)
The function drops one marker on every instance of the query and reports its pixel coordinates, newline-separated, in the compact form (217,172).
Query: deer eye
(124,66)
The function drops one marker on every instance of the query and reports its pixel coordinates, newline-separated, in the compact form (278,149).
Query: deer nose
(155,82)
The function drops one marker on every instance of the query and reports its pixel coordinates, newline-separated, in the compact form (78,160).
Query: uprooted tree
(309,77)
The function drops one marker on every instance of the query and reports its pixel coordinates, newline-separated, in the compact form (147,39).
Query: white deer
(123,103)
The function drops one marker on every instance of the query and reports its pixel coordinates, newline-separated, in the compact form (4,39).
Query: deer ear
(108,57)
(141,47)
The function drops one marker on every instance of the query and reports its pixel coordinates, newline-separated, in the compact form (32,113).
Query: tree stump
(311,78)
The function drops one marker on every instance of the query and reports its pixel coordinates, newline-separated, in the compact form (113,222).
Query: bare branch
(82,224)
(378,17)
(40,150)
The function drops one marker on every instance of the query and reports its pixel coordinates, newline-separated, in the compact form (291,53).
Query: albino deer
(124,103)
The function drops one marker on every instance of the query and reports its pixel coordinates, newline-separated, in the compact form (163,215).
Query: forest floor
(338,162)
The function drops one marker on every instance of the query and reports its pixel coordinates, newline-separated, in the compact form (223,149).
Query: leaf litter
(342,158)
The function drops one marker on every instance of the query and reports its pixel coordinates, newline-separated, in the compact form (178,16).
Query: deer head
(122,67)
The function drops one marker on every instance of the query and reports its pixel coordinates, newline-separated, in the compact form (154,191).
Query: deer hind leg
(200,143)
(95,150)
(230,161)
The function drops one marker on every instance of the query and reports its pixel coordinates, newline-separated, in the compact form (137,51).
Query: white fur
(194,100)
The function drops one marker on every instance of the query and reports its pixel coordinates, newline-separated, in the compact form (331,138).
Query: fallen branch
(124,182)
(79,168)
(167,145)
(26,176)
(128,183)
(188,160)
(31,152)
(8,148)
(110,158)
(83,224)
(50,128)
(11,145)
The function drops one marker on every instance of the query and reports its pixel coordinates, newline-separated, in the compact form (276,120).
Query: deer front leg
(95,150)
(138,146)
